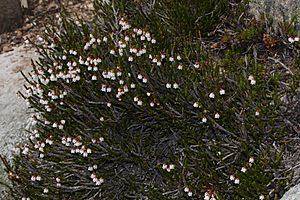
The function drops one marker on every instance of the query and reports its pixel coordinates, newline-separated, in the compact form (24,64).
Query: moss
(248,34)
(226,38)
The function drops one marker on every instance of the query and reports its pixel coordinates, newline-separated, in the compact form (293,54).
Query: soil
(36,19)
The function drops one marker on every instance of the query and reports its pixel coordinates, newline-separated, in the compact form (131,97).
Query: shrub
(118,117)
(174,22)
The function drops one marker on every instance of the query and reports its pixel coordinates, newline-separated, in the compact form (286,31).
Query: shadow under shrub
(117,117)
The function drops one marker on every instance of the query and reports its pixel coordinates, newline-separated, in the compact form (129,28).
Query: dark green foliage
(174,23)
(208,118)
(248,34)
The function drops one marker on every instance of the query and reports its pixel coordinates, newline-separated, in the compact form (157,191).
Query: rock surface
(292,194)
(13,109)
(279,10)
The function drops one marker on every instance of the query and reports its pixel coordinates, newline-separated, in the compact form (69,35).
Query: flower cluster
(243,170)
(97,181)
(252,80)
(209,196)
(292,40)
(168,168)
(187,190)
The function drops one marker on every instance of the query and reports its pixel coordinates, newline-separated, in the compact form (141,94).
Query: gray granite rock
(292,194)
(14,114)
(279,10)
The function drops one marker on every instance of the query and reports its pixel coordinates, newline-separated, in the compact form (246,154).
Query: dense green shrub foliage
(120,117)
(178,21)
